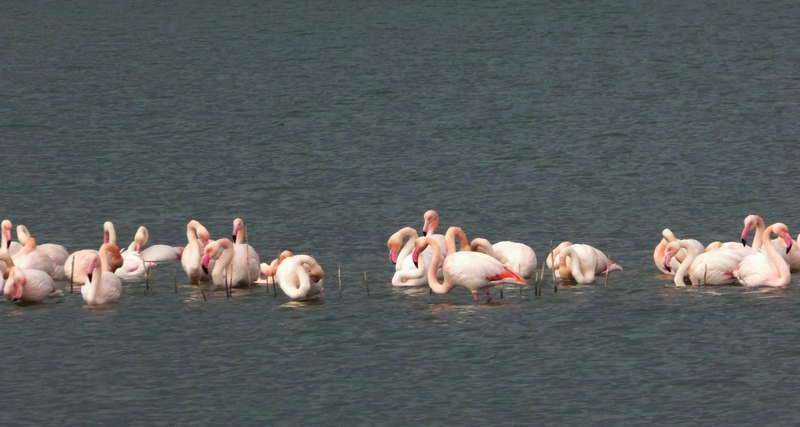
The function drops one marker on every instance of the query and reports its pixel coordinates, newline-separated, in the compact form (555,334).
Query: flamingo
(266,272)
(300,276)
(197,238)
(83,257)
(238,238)
(11,246)
(658,253)
(102,287)
(553,258)
(713,267)
(233,267)
(767,268)
(57,253)
(582,262)
(153,254)
(518,257)
(133,265)
(473,270)
(28,285)
(406,273)
(31,258)
(791,256)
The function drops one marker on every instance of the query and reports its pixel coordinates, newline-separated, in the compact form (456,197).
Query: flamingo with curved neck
(714,267)
(101,287)
(233,267)
(473,270)
(9,245)
(300,277)
(28,285)
(197,238)
(767,268)
(583,262)
(56,253)
(83,257)
(430,222)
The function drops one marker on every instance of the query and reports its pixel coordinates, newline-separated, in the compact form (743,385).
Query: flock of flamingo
(441,262)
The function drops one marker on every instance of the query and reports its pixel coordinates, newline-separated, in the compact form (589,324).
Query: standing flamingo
(83,257)
(767,268)
(102,287)
(300,276)
(233,267)
(473,270)
(582,262)
(153,254)
(518,257)
(197,238)
(407,274)
(790,254)
(239,241)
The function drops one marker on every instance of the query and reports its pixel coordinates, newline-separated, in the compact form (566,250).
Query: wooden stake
(72,275)
(247,258)
(175,279)
(339,269)
(366,285)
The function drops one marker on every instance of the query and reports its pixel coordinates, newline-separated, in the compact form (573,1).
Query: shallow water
(327,128)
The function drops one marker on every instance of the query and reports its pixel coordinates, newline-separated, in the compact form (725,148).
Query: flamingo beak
(89,276)
(744,242)
(204,263)
(789,242)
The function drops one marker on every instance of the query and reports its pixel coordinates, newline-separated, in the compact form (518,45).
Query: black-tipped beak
(744,242)
(416,264)
(669,268)
(424,233)
(788,248)
(89,276)
(205,269)
(233,238)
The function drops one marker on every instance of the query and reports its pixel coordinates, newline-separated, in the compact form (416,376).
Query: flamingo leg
(488,296)
(475,297)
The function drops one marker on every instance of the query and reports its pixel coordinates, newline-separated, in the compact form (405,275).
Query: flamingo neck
(779,264)
(680,274)
(480,244)
(450,240)
(433,279)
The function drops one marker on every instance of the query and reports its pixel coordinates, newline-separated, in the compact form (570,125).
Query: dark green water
(327,127)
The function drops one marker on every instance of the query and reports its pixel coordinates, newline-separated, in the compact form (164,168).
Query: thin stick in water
(72,275)
(339,268)
(366,284)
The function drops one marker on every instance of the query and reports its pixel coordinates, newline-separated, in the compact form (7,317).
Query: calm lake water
(327,127)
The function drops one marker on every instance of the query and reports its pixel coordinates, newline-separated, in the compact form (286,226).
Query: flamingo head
(7,232)
(17,281)
(90,269)
(237,226)
(204,262)
(116,257)
(431,218)
(394,248)
(745,232)
(419,245)
(783,231)
(315,272)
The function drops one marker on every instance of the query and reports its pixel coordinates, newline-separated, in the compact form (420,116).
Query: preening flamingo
(713,267)
(28,285)
(582,262)
(407,274)
(473,270)
(300,276)
(791,254)
(197,238)
(56,253)
(233,265)
(518,257)
(658,253)
(553,258)
(31,258)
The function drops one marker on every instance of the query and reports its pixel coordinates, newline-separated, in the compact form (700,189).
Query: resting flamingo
(31,258)
(472,270)
(133,266)
(582,262)
(406,273)
(518,257)
(233,267)
(153,254)
(11,246)
(266,272)
(197,237)
(238,238)
(83,257)
(767,268)
(713,267)
(56,253)
(101,287)
(300,276)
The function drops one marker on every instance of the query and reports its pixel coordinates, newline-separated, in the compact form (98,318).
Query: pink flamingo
(56,253)
(553,259)
(300,276)
(430,222)
(473,270)
(25,285)
(31,258)
(233,267)
(239,240)
(197,238)
(582,262)
(658,253)
(83,257)
(707,268)
(767,268)
(101,287)
(518,257)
